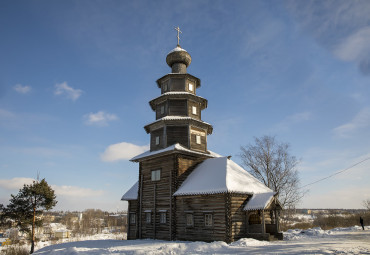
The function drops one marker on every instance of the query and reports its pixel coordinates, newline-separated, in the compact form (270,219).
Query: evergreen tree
(27,206)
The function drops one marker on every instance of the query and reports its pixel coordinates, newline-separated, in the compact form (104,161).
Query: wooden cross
(178,35)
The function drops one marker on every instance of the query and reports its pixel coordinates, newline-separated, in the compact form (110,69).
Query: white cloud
(22,89)
(361,120)
(74,191)
(122,151)
(69,92)
(15,183)
(100,118)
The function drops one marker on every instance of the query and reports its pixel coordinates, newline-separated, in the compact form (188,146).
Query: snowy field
(312,241)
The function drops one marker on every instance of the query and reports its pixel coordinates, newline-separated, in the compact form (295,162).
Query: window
(198,139)
(189,219)
(162,109)
(157,140)
(162,217)
(156,175)
(191,87)
(194,110)
(165,87)
(208,220)
(148,217)
(132,218)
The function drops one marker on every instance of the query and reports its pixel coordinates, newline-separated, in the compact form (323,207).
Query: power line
(339,172)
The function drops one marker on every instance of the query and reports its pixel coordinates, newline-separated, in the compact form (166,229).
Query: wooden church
(185,191)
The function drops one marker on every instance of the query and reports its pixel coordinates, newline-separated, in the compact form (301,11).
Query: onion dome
(178,59)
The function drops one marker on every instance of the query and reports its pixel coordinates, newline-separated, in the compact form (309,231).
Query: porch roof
(132,193)
(259,201)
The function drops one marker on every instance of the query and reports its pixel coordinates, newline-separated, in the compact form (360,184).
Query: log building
(185,191)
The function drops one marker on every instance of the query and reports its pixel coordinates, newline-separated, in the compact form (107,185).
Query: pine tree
(27,206)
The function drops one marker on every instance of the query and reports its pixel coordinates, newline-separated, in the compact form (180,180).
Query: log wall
(177,107)
(177,134)
(156,197)
(199,206)
(132,228)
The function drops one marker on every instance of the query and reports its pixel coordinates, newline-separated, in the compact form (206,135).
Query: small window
(157,140)
(132,218)
(189,220)
(162,217)
(208,220)
(148,217)
(198,139)
(191,87)
(165,87)
(156,175)
(194,110)
(162,109)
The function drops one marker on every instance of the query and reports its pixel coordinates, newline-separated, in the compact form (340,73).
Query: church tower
(184,191)
(178,108)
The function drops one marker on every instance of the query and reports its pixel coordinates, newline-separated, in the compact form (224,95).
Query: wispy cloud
(122,151)
(6,115)
(290,120)
(64,90)
(340,26)
(360,121)
(100,118)
(356,48)
(22,89)
(75,191)
(15,183)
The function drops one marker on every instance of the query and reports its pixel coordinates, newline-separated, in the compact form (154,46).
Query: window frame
(194,110)
(208,220)
(148,217)
(187,217)
(162,217)
(132,218)
(198,139)
(156,175)
(191,87)
(157,140)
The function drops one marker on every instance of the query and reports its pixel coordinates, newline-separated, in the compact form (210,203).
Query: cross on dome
(178,35)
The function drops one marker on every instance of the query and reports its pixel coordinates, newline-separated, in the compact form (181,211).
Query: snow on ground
(312,241)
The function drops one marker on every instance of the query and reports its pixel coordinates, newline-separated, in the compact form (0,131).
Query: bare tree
(366,203)
(270,162)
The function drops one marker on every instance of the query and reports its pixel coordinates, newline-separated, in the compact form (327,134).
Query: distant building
(185,191)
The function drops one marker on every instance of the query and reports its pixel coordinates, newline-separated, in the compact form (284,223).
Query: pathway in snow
(313,241)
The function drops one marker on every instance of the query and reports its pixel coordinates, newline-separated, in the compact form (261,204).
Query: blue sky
(76,78)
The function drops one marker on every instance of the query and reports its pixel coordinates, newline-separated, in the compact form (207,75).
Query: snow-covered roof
(220,175)
(259,201)
(174,147)
(132,193)
(178,118)
(178,48)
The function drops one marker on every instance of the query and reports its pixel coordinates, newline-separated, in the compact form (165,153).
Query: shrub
(15,250)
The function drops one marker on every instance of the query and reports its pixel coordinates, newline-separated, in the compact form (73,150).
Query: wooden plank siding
(238,217)
(177,134)
(158,113)
(153,135)
(199,206)
(156,196)
(177,107)
(198,114)
(193,140)
(132,228)
(177,84)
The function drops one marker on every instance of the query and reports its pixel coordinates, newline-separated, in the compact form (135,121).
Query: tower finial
(178,35)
